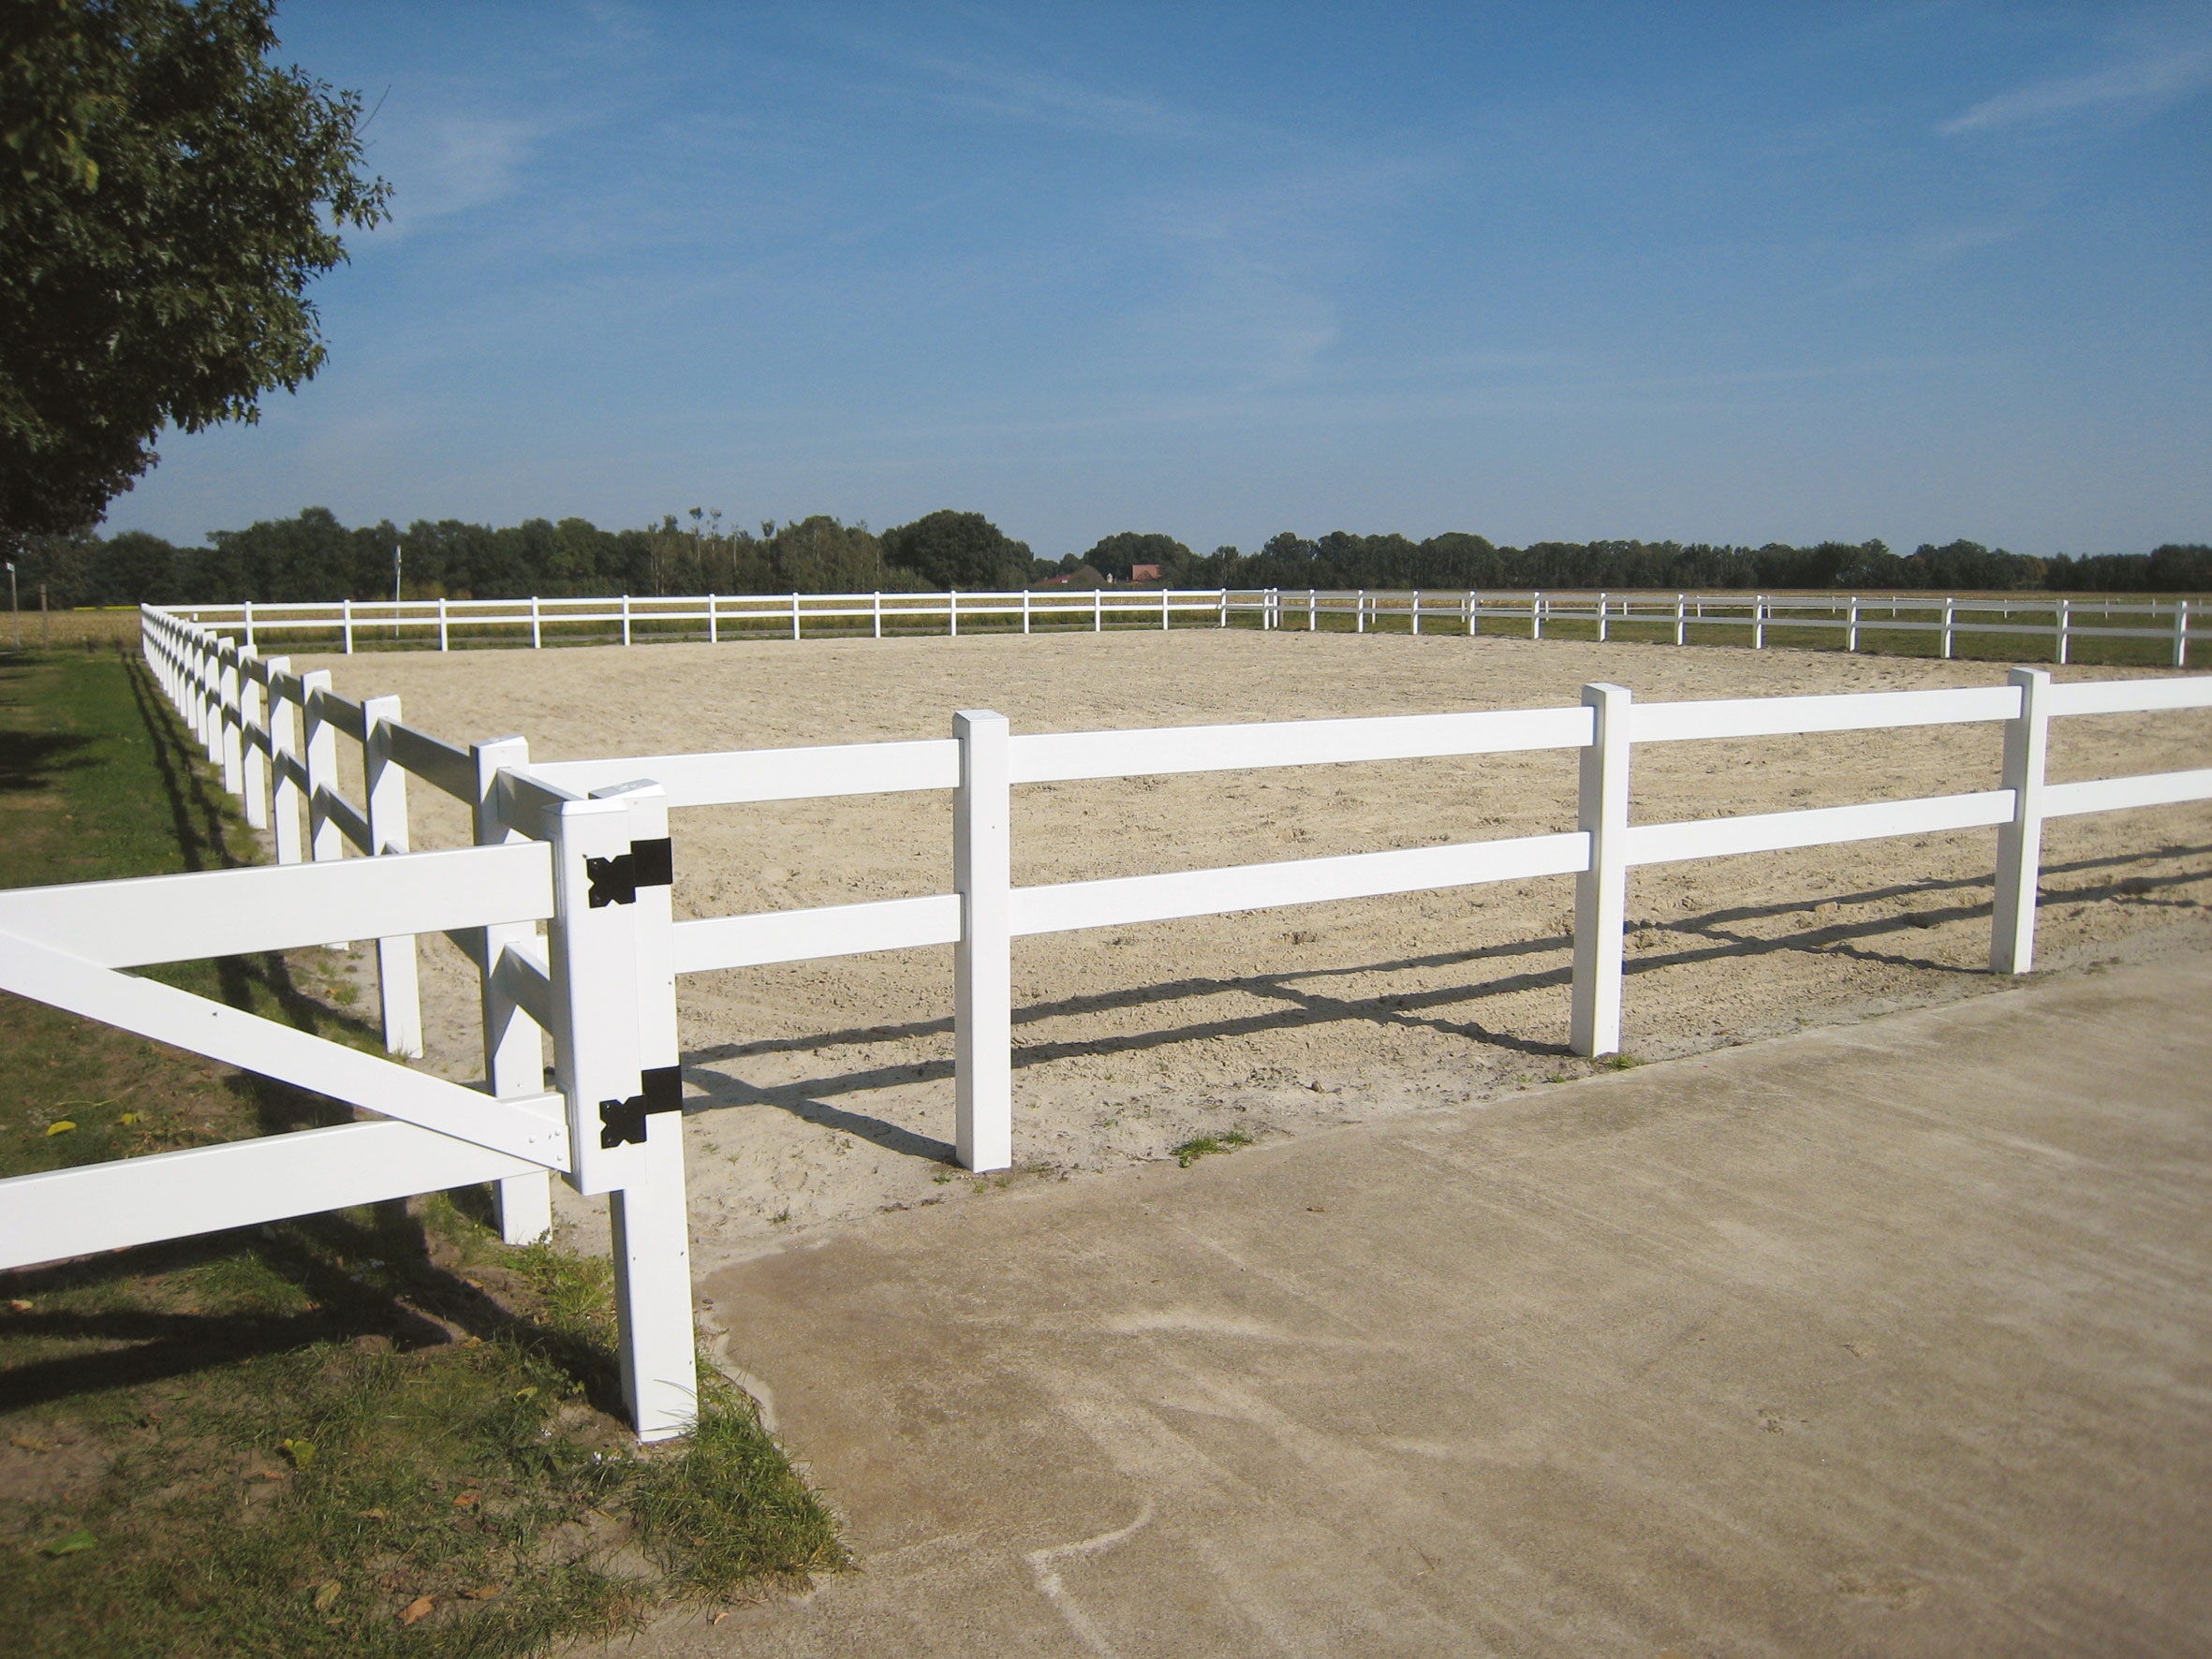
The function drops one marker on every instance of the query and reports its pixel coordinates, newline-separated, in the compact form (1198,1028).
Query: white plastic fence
(583,849)
(598,982)
(716,616)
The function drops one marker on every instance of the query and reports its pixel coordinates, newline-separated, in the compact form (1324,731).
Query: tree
(166,197)
(950,550)
(1114,556)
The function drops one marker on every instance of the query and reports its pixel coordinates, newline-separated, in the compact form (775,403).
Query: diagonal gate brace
(532,1127)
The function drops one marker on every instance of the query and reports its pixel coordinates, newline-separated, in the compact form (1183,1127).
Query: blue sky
(1723,272)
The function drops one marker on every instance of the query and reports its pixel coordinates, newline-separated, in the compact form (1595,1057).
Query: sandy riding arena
(823,1091)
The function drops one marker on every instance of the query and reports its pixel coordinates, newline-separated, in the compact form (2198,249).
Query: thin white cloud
(2154,80)
(1050,100)
(452,164)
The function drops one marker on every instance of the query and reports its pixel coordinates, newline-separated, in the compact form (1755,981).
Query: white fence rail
(983,762)
(715,616)
(582,849)
(603,992)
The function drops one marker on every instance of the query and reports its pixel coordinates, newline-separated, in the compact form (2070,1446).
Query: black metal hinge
(616,880)
(622,1122)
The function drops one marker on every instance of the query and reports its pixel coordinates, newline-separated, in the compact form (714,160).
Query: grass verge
(378,1430)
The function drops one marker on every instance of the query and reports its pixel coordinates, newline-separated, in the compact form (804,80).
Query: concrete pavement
(1894,1339)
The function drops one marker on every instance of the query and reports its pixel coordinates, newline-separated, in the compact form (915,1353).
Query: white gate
(594,869)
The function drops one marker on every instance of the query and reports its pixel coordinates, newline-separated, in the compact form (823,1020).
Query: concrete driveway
(1894,1339)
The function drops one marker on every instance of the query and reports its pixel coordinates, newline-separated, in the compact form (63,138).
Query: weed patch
(1203,1145)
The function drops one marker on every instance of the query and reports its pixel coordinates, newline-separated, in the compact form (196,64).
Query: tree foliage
(166,197)
(1114,556)
(953,549)
(313,556)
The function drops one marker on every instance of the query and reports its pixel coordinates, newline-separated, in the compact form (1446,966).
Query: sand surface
(820,1092)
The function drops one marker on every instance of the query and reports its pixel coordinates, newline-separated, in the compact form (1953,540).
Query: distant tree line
(313,556)
(1456,560)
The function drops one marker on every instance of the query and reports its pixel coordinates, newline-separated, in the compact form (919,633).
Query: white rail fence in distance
(1855,618)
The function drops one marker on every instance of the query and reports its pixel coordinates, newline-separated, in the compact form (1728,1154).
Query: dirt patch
(824,1090)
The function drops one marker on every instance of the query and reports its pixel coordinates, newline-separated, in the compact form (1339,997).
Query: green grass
(1200,1146)
(280,1440)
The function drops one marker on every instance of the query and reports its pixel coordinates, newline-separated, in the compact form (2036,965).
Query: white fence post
(1360,626)
(514,1047)
(647,1215)
(2019,844)
(284,754)
(1535,614)
(442,642)
(1312,611)
(254,716)
(324,839)
(345,621)
(188,678)
(537,626)
(878,613)
(593,952)
(794,616)
(1759,621)
(952,613)
(1163,609)
(1851,631)
(229,735)
(246,609)
(1681,622)
(1416,609)
(2065,623)
(983,1020)
(626,619)
(2181,633)
(398,982)
(210,698)
(209,670)
(1947,628)
(1602,607)
(1600,893)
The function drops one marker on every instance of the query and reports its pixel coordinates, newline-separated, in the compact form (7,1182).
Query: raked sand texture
(824,1091)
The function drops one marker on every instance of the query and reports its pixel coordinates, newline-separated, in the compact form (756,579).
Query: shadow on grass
(29,761)
(337,1277)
